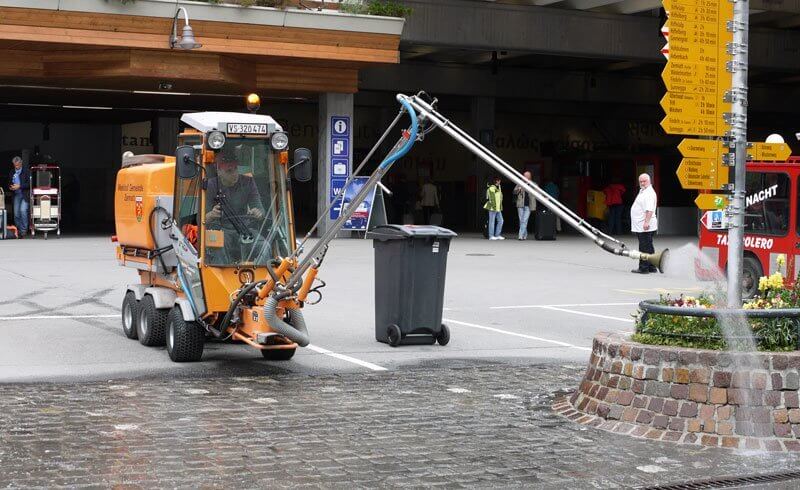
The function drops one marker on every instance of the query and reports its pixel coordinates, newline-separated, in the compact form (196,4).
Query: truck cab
(771,226)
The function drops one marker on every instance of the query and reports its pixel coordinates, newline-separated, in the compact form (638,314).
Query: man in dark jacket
(19,183)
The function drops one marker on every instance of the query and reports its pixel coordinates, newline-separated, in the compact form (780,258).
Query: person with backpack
(494,204)
(525,204)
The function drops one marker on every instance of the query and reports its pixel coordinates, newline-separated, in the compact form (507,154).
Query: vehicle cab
(770,226)
(232,202)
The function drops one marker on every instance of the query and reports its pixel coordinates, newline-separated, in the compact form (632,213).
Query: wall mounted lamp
(186,40)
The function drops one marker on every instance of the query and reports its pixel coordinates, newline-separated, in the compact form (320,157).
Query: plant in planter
(771,334)
(374,7)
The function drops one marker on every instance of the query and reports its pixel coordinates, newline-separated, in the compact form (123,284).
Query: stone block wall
(693,396)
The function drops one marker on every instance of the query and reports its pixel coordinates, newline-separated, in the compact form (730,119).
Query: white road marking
(343,357)
(196,391)
(506,396)
(556,306)
(126,426)
(265,401)
(458,390)
(524,336)
(630,320)
(56,317)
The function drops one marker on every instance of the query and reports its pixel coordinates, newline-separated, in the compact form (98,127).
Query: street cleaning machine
(211,234)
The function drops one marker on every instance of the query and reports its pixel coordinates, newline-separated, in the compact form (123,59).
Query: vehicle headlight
(279,141)
(215,140)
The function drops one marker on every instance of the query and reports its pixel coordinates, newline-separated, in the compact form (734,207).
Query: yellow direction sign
(711,201)
(694,148)
(770,152)
(692,114)
(702,173)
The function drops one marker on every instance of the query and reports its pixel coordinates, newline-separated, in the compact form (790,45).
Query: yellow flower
(781,260)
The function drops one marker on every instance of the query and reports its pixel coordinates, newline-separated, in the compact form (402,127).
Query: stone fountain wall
(692,396)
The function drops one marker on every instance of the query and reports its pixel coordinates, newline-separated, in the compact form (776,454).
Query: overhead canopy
(100,43)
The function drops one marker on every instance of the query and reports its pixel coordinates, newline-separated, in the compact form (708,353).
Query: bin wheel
(130,312)
(395,335)
(185,340)
(278,354)
(444,335)
(152,325)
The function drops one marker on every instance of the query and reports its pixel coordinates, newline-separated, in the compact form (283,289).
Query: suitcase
(544,226)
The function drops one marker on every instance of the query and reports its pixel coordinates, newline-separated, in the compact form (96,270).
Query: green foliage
(771,334)
(375,7)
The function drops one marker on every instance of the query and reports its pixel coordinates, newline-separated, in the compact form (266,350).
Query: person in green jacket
(494,204)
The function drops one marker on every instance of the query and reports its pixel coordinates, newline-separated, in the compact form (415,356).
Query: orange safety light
(253,102)
(284,158)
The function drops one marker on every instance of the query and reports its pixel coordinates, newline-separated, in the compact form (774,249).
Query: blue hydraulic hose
(412,138)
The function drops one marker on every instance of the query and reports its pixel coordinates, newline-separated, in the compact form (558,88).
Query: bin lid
(400,232)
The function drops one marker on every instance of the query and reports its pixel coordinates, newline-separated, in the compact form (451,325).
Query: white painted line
(343,357)
(595,315)
(531,337)
(56,317)
(556,306)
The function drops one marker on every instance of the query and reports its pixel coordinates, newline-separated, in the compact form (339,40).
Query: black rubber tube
(651,306)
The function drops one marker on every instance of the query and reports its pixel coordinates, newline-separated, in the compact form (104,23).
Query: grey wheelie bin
(410,266)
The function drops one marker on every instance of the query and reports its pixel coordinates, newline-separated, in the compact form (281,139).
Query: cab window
(767,203)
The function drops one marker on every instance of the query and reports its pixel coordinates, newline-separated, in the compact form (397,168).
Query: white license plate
(244,128)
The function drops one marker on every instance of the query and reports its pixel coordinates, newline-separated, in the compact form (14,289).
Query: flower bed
(770,334)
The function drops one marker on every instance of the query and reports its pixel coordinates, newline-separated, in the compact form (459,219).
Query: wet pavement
(453,423)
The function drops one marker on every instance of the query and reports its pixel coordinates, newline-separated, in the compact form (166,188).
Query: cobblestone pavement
(466,424)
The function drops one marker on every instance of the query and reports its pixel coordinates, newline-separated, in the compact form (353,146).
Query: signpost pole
(738,133)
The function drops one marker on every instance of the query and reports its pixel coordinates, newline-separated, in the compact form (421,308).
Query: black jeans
(646,246)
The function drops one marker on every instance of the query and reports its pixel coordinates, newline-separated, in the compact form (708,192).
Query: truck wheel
(152,324)
(278,354)
(395,335)
(444,335)
(130,313)
(751,273)
(185,340)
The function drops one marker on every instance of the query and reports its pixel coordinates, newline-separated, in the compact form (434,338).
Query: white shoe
(501,238)
(493,238)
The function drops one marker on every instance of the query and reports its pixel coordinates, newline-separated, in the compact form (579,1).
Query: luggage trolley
(45,199)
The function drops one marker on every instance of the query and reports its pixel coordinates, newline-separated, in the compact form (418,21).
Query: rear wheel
(444,335)
(395,335)
(751,273)
(278,354)
(152,324)
(185,340)
(130,312)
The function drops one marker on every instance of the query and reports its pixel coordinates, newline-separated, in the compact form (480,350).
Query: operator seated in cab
(234,212)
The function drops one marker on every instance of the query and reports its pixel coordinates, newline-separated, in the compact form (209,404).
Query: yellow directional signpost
(711,201)
(702,167)
(696,75)
(770,152)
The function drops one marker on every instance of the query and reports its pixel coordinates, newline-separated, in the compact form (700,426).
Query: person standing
(494,204)
(644,222)
(19,180)
(429,195)
(525,204)
(614,192)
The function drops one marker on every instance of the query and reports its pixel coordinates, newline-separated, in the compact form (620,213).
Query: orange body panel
(136,192)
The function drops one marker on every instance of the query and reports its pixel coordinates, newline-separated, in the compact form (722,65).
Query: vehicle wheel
(395,335)
(444,335)
(152,324)
(278,354)
(185,340)
(751,273)
(130,313)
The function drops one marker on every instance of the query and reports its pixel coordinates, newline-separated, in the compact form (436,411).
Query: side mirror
(301,170)
(184,161)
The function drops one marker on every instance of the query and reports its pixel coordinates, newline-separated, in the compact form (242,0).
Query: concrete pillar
(165,131)
(335,159)
(482,119)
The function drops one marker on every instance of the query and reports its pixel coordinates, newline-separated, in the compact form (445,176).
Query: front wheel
(751,273)
(395,335)
(185,340)
(278,354)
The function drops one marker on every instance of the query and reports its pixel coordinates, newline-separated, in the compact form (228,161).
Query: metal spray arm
(608,243)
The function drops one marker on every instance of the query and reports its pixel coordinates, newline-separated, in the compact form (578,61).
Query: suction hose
(295,330)
(656,259)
